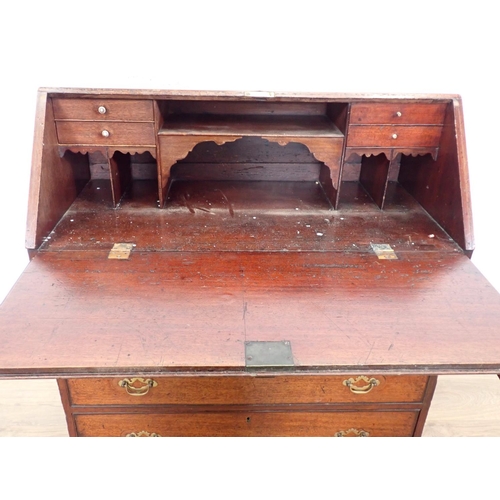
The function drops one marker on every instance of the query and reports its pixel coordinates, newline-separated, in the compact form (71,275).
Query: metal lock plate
(259,354)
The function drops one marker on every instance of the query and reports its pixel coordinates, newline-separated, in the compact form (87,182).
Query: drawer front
(222,390)
(103,109)
(252,423)
(394,113)
(393,136)
(115,133)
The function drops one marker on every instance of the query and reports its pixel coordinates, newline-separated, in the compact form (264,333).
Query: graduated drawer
(106,133)
(398,113)
(239,390)
(393,136)
(251,423)
(103,109)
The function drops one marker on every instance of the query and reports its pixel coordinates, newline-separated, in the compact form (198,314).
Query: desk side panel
(54,183)
(442,186)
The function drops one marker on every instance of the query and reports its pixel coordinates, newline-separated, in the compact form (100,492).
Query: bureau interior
(267,145)
(251,159)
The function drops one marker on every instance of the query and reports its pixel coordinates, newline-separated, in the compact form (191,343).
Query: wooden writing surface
(84,313)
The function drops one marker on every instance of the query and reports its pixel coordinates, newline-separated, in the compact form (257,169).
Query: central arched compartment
(246,172)
(258,127)
(249,159)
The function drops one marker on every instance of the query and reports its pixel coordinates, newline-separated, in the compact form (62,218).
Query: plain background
(372,46)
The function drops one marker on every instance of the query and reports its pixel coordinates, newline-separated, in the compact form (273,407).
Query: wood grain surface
(246,390)
(228,263)
(185,311)
(200,283)
(252,423)
(465,405)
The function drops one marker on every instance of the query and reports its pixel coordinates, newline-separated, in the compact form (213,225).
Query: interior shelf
(250,126)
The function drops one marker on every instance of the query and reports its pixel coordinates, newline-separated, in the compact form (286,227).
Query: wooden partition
(441,185)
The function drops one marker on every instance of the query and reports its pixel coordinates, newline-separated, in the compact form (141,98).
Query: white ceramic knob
(102,110)
(394,136)
(399,114)
(105,133)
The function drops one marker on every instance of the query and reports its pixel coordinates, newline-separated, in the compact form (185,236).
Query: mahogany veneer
(252,298)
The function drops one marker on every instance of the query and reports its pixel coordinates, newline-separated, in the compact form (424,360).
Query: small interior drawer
(103,109)
(398,113)
(393,136)
(245,390)
(250,423)
(106,133)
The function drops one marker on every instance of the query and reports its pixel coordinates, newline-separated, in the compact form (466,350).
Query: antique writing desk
(230,263)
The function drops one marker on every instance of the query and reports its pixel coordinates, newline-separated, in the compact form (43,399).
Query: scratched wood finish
(250,423)
(247,216)
(194,310)
(278,389)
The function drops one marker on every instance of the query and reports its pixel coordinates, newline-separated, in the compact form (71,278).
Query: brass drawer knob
(105,133)
(353,433)
(137,386)
(102,110)
(143,434)
(394,136)
(364,389)
(399,114)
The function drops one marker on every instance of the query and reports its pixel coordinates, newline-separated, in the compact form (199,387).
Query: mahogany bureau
(248,264)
